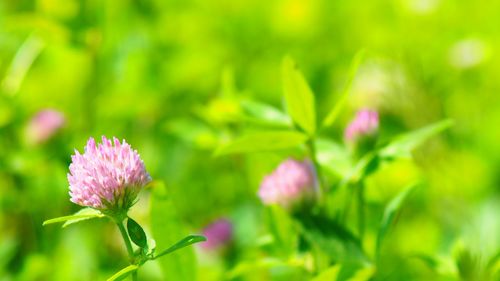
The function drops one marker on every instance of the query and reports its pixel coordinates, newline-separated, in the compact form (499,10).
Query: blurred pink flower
(44,125)
(292,183)
(218,233)
(365,124)
(107,176)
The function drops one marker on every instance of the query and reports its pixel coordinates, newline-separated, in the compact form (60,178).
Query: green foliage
(283,230)
(339,105)
(249,268)
(186,241)
(263,141)
(332,238)
(167,228)
(329,274)
(399,147)
(299,97)
(136,233)
(333,157)
(402,145)
(363,274)
(390,215)
(263,114)
(83,214)
(124,273)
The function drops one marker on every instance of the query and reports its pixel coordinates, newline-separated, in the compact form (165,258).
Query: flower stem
(361,210)
(128,245)
(312,153)
(349,190)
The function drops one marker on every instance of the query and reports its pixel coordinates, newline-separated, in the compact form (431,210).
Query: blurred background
(168,76)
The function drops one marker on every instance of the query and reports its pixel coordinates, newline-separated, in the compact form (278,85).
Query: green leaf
(8,249)
(399,147)
(331,237)
(364,274)
(83,214)
(493,265)
(186,241)
(120,275)
(402,145)
(136,233)
(21,63)
(333,157)
(263,141)
(330,274)
(468,265)
(299,97)
(85,211)
(166,228)
(339,105)
(263,114)
(433,263)
(390,213)
(282,228)
(250,267)
(192,131)
(361,168)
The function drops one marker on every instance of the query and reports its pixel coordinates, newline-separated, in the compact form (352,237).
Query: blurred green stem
(312,151)
(128,245)
(361,210)
(349,194)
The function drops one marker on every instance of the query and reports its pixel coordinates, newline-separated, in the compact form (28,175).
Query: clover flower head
(44,125)
(292,183)
(218,234)
(365,124)
(107,176)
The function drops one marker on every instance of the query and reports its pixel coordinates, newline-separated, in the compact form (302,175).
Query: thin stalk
(321,195)
(349,194)
(312,151)
(128,245)
(361,210)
